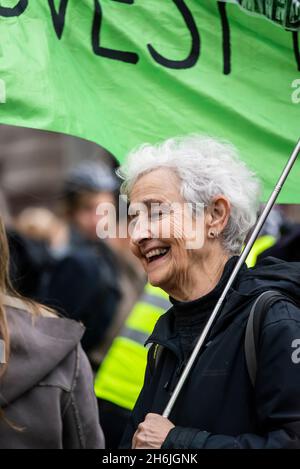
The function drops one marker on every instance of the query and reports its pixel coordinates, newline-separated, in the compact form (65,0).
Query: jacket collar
(165,334)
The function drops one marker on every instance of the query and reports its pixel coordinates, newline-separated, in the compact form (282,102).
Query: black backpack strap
(254,325)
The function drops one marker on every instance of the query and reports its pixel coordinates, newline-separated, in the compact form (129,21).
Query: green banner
(285,13)
(124,72)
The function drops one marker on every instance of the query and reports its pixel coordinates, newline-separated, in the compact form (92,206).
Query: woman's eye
(158,214)
(155,213)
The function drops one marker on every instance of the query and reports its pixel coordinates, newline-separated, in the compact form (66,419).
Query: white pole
(232,277)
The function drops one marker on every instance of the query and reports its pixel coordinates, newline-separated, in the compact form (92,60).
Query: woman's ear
(218,216)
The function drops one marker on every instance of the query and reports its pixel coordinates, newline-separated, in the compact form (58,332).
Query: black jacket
(287,247)
(28,260)
(84,285)
(218,407)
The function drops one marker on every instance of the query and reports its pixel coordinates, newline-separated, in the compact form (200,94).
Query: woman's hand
(152,432)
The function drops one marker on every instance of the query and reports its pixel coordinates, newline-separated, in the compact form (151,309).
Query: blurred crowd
(58,260)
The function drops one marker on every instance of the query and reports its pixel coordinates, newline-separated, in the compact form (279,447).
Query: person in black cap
(83,281)
(87,186)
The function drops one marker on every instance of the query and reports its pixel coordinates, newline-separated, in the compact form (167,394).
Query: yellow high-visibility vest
(261,244)
(121,376)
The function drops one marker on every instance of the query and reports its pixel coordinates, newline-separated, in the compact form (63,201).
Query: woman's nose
(140,231)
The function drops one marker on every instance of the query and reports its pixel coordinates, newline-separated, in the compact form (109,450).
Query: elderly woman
(218,406)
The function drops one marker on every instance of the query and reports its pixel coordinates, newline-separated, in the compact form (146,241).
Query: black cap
(91,176)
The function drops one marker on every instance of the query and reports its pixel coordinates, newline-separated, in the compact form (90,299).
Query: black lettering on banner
(194,54)
(129,2)
(17,10)
(58,18)
(226,38)
(296,48)
(129,57)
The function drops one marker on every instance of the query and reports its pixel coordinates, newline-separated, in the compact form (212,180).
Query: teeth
(156,252)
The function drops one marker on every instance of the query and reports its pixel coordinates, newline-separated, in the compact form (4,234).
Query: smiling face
(158,235)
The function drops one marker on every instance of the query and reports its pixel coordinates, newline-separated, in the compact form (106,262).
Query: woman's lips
(157,260)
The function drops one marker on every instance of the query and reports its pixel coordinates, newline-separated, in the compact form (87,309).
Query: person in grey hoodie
(46,383)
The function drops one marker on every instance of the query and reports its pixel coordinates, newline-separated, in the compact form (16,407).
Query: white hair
(206,167)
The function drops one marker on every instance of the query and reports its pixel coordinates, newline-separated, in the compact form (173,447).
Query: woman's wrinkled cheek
(180,260)
(177,228)
(134,249)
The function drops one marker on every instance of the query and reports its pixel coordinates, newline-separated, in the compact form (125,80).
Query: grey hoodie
(47,389)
